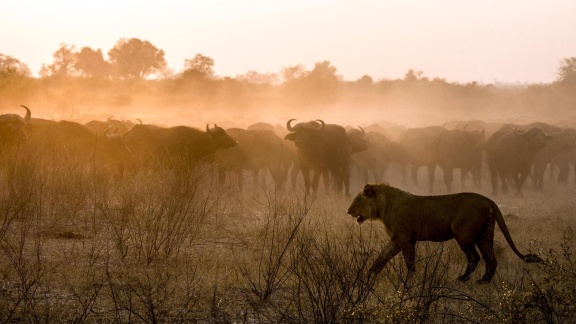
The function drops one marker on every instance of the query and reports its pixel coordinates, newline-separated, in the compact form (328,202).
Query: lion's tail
(530,258)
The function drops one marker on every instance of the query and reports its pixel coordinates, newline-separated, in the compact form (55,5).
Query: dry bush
(78,245)
(330,278)
(547,295)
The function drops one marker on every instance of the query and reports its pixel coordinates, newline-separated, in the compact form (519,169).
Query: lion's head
(364,206)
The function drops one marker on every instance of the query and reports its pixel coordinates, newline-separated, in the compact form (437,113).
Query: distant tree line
(134,71)
(136,58)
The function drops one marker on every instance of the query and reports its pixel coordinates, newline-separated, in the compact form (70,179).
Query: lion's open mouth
(359,217)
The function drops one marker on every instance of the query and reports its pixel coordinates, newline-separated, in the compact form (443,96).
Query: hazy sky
(461,41)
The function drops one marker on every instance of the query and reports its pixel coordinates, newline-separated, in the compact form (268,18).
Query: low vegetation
(77,246)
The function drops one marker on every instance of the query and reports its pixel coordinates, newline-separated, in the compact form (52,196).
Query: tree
(200,64)
(64,61)
(324,71)
(12,66)
(412,75)
(293,72)
(365,80)
(134,58)
(567,71)
(319,86)
(323,82)
(91,63)
(364,83)
(258,78)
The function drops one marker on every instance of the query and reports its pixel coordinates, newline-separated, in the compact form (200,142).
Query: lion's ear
(368,190)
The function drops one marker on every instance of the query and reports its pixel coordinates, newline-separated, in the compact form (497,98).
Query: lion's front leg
(390,250)
(408,248)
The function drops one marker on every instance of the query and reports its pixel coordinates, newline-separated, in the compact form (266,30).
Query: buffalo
(418,144)
(66,141)
(176,147)
(459,149)
(324,148)
(558,150)
(358,140)
(98,126)
(377,157)
(13,128)
(510,153)
(12,134)
(565,162)
(256,150)
(290,163)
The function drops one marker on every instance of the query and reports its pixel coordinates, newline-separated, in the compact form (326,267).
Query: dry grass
(78,246)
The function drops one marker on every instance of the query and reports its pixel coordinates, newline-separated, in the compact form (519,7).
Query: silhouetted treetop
(13,66)
(64,61)
(200,64)
(412,75)
(293,72)
(567,71)
(134,58)
(324,71)
(91,63)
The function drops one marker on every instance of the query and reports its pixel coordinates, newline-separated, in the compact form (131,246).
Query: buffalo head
(220,137)
(304,133)
(12,127)
(358,139)
(538,136)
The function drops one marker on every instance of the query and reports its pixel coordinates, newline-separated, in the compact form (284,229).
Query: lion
(467,217)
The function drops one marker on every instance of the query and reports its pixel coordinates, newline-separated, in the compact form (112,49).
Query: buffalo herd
(298,154)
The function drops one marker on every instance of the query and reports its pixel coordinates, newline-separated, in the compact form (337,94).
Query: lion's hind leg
(471,255)
(486,245)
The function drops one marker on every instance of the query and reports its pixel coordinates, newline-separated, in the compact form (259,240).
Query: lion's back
(439,218)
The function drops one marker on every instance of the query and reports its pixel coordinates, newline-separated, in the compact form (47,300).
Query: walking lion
(467,217)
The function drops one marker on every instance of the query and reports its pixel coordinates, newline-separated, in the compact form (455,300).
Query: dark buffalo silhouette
(418,144)
(13,133)
(510,153)
(290,163)
(358,140)
(176,147)
(324,148)
(459,149)
(99,126)
(557,151)
(262,126)
(13,129)
(257,150)
(375,160)
(565,162)
(66,142)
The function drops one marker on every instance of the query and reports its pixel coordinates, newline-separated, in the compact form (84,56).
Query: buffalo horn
(289,127)
(28,114)
(322,124)
(519,132)
(114,132)
(558,131)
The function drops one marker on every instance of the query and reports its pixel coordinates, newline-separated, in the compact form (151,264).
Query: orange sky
(462,41)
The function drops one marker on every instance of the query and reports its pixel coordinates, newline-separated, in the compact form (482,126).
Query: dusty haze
(231,102)
(484,41)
